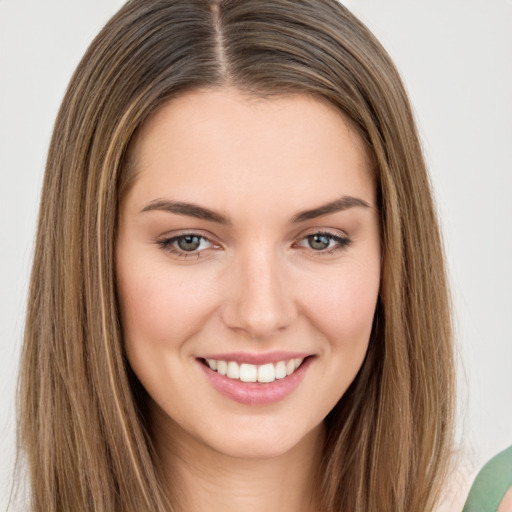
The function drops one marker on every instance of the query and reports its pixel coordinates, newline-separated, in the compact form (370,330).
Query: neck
(202,479)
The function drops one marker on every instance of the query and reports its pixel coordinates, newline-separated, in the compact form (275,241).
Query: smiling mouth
(246,372)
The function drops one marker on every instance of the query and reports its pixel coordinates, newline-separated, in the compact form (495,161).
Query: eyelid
(187,232)
(341,237)
(334,232)
(166,243)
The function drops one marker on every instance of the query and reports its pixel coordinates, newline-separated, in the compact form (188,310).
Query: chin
(263,440)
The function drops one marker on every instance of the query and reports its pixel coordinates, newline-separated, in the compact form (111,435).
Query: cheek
(162,306)
(342,309)
(342,305)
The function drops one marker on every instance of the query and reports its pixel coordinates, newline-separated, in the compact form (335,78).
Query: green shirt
(491,484)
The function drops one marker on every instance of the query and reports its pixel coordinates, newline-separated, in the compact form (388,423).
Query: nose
(260,300)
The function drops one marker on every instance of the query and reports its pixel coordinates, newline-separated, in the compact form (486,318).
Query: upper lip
(257,358)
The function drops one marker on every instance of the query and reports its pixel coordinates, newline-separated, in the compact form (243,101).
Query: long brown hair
(82,422)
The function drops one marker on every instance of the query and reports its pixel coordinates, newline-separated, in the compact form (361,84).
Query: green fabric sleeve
(491,484)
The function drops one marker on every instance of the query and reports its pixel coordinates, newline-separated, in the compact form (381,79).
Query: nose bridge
(260,300)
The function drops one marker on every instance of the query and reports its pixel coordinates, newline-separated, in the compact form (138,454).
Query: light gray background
(456,59)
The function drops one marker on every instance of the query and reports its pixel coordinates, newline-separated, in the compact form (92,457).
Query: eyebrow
(199,212)
(337,205)
(188,209)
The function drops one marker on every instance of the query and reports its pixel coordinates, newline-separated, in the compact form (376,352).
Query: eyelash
(166,244)
(341,242)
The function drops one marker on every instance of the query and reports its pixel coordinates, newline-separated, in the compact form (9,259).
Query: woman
(238,278)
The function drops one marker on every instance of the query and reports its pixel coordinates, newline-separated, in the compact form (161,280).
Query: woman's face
(248,251)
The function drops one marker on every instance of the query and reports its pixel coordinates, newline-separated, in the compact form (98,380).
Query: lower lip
(256,393)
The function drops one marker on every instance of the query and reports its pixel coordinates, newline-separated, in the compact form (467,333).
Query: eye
(189,244)
(324,242)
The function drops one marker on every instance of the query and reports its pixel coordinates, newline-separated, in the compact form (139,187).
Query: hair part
(83,429)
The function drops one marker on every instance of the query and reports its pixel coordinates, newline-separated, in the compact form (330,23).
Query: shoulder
(491,485)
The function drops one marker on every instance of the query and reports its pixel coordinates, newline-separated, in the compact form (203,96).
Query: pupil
(189,243)
(318,242)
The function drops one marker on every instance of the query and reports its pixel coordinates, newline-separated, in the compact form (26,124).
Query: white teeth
(222,367)
(248,372)
(266,373)
(281,370)
(252,373)
(233,370)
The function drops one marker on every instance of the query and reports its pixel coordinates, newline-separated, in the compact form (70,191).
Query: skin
(255,285)
(506,502)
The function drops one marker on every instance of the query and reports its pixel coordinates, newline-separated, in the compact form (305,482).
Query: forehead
(230,143)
